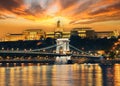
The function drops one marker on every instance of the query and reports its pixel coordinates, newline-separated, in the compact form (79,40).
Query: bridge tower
(62,48)
(62,45)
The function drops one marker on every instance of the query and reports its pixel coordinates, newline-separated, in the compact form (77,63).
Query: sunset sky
(18,15)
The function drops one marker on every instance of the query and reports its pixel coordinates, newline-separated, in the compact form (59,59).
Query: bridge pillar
(62,48)
(62,45)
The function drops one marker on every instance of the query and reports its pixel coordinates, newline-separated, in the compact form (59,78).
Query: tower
(58,27)
(58,23)
(62,45)
(62,48)
(58,31)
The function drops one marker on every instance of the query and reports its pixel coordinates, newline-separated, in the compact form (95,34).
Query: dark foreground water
(60,75)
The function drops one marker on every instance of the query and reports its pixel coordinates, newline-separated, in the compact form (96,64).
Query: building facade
(58,33)
(29,34)
(13,37)
(34,34)
(84,32)
(102,34)
(39,34)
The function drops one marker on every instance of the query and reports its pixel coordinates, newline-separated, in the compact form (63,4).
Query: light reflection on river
(60,75)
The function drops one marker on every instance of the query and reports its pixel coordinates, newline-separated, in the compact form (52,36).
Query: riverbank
(52,61)
(105,62)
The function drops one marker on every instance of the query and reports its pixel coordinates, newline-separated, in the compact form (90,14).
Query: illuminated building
(116,33)
(102,34)
(34,34)
(14,37)
(66,34)
(39,34)
(89,33)
(29,34)
(83,32)
(49,34)
(58,33)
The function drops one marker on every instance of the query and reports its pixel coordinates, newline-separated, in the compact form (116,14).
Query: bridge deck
(27,53)
(27,61)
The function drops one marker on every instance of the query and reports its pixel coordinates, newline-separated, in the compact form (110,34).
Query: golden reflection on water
(117,75)
(60,75)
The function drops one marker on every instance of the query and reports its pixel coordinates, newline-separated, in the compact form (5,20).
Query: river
(60,75)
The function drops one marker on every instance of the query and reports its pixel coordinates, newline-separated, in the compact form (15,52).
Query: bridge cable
(45,48)
(78,49)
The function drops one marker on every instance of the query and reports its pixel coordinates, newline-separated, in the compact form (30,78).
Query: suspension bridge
(47,51)
(62,51)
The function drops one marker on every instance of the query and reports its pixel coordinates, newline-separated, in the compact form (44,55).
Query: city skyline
(16,16)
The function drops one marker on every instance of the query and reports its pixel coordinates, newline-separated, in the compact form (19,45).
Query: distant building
(58,33)
(49,34)
(102,34)
(116,33)
(13,37)
(34,34)
(66,34)
(84,32)
(39,34)
(29,34)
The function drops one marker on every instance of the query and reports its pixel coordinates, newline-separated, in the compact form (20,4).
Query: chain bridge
(49,51)
(62,51)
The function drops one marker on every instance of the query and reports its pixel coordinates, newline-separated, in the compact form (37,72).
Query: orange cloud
(79,11)
(100,11)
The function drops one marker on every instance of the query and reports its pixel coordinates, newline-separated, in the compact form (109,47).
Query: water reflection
(108,74)
(117,75)
(60,75)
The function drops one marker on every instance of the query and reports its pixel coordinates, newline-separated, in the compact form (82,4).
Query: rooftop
(34,30)
(84,28)
(15,34)
(104,32)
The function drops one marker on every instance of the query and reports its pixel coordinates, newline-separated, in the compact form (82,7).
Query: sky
(18,15)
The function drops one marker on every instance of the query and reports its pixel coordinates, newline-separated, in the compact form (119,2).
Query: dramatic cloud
(35,8)
(9,4)
(106,8)
(79,11)
(67,3)
(2,17)
(96,11)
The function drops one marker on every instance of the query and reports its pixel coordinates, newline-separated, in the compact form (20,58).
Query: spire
(59,28)
(58,31)
(58,23)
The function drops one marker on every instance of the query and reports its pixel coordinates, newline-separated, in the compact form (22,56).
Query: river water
(60,75)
